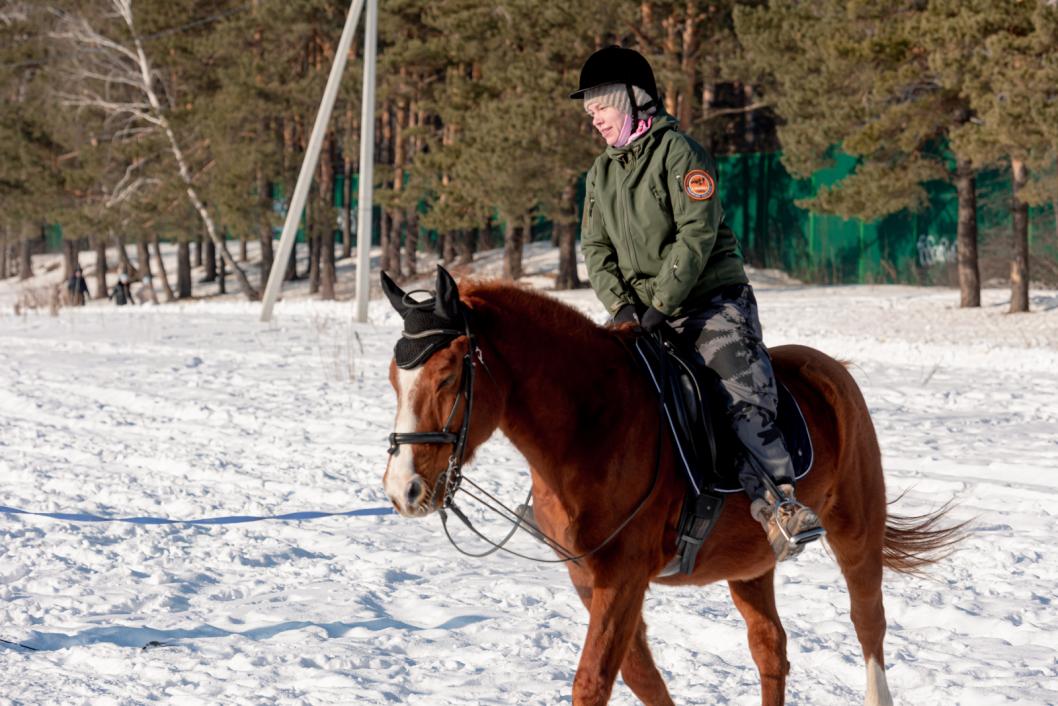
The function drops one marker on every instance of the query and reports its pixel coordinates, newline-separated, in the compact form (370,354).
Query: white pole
(367,166)
(308,165)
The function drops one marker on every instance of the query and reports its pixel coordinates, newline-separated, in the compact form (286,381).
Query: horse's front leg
(638,670)
(615,609)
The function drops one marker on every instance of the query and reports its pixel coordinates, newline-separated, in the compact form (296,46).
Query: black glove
(626,315)
(652,320)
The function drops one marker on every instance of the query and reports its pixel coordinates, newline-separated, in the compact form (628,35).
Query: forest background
(126,123)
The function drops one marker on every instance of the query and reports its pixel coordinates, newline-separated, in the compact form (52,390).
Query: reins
(451,479)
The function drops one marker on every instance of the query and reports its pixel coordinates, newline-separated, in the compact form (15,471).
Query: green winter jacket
(653,232)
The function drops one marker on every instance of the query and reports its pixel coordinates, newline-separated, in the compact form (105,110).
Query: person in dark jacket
(122,293)
(659,253)
(77,288)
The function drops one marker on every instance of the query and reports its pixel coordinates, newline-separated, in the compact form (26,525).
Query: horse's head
(434,373)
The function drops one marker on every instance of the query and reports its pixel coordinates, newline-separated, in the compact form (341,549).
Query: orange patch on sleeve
(699,185)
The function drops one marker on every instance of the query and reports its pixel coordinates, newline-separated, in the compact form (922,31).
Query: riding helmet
(614,64)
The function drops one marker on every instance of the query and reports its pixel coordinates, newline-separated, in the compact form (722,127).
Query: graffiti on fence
(935,251)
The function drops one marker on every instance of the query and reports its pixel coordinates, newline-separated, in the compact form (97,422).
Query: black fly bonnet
(430,324)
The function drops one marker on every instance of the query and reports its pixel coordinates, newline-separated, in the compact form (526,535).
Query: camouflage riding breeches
(726,333)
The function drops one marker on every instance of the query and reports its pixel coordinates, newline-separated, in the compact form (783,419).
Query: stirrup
(801,538)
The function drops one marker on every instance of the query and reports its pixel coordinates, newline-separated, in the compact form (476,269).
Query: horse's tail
(914,543)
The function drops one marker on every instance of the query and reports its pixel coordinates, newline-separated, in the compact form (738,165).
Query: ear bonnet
(430,324)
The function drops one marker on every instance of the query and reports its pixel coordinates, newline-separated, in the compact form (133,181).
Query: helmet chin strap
(636,108)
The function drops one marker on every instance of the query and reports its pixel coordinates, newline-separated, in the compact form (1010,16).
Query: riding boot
(788,524)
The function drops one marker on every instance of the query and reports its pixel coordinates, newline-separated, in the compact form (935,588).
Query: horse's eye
(445,382)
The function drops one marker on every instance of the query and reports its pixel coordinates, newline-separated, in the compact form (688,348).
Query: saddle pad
(794,431)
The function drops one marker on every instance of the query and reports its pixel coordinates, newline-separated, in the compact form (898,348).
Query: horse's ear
(447,303)
(395,295)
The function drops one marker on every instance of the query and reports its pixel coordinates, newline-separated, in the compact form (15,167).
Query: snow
(199,410)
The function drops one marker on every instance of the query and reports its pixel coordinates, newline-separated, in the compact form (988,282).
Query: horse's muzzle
(410,499)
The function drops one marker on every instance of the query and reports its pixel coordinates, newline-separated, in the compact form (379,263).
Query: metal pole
(308,165)
(367,166)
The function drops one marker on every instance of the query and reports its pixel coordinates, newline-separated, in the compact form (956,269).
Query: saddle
(706,445)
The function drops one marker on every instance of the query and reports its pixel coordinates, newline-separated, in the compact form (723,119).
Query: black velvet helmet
(614,64)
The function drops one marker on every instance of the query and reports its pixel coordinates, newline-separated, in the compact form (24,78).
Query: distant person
(122,293)
(146,292)
(77,288)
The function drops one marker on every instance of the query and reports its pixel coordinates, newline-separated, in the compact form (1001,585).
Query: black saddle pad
(698,419)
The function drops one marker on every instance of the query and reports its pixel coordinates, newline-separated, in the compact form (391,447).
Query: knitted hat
(616,95)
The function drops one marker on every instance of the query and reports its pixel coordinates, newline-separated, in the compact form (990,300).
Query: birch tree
(108,71)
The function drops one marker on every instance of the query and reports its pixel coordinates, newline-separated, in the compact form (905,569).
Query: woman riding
(660,254)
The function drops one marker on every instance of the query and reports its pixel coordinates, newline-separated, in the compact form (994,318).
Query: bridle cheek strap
(452,476)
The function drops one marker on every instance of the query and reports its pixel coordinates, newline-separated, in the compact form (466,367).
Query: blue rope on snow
(232,520)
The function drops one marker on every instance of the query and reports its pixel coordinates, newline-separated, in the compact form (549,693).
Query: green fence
(759,199)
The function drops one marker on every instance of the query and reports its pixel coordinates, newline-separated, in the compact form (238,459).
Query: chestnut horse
(568,395)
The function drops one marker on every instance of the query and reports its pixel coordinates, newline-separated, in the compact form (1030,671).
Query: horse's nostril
(414,491)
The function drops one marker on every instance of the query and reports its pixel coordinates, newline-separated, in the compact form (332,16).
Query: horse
(567,394)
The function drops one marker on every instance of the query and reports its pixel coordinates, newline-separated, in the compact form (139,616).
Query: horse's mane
(537,310)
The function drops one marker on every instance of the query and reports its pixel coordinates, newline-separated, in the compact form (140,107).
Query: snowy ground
(199,410)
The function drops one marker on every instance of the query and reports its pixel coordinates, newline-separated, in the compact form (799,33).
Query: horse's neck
(571,399)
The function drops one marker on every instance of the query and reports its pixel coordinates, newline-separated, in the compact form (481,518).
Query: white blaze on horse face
(401,468)
(877,686)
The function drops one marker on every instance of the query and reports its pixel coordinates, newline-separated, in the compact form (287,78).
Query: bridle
(451,479)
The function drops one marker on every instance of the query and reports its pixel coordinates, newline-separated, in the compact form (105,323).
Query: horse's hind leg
(860,557)
(755,599)
(641,674)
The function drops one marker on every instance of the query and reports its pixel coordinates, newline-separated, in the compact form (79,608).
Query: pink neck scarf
(626,136)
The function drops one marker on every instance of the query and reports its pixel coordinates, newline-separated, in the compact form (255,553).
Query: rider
(660,254)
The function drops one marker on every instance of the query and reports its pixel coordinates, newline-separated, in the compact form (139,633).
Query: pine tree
(998,53)
(31,176)
(860,77)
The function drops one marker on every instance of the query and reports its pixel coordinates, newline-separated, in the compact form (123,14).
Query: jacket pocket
(660,197)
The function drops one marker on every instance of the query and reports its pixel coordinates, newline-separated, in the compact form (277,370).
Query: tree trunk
(383,242)
(1019,261)
(143,258)
(485,236)
(966,238)
(101,267)
(209,261)
(25,264)
(327,274)
(325,219)
(183,270)
(291,273)
(567,241)
(396,225)
(400,128)
(244,255)
(465,247)
(385,158)
(411,244)
(3,255)
(69,258)
(161,270)
(448,256)
(512,252)
(264,204)
(689,61)
(313,231)
(222,272)
(198,252)
(349,166)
